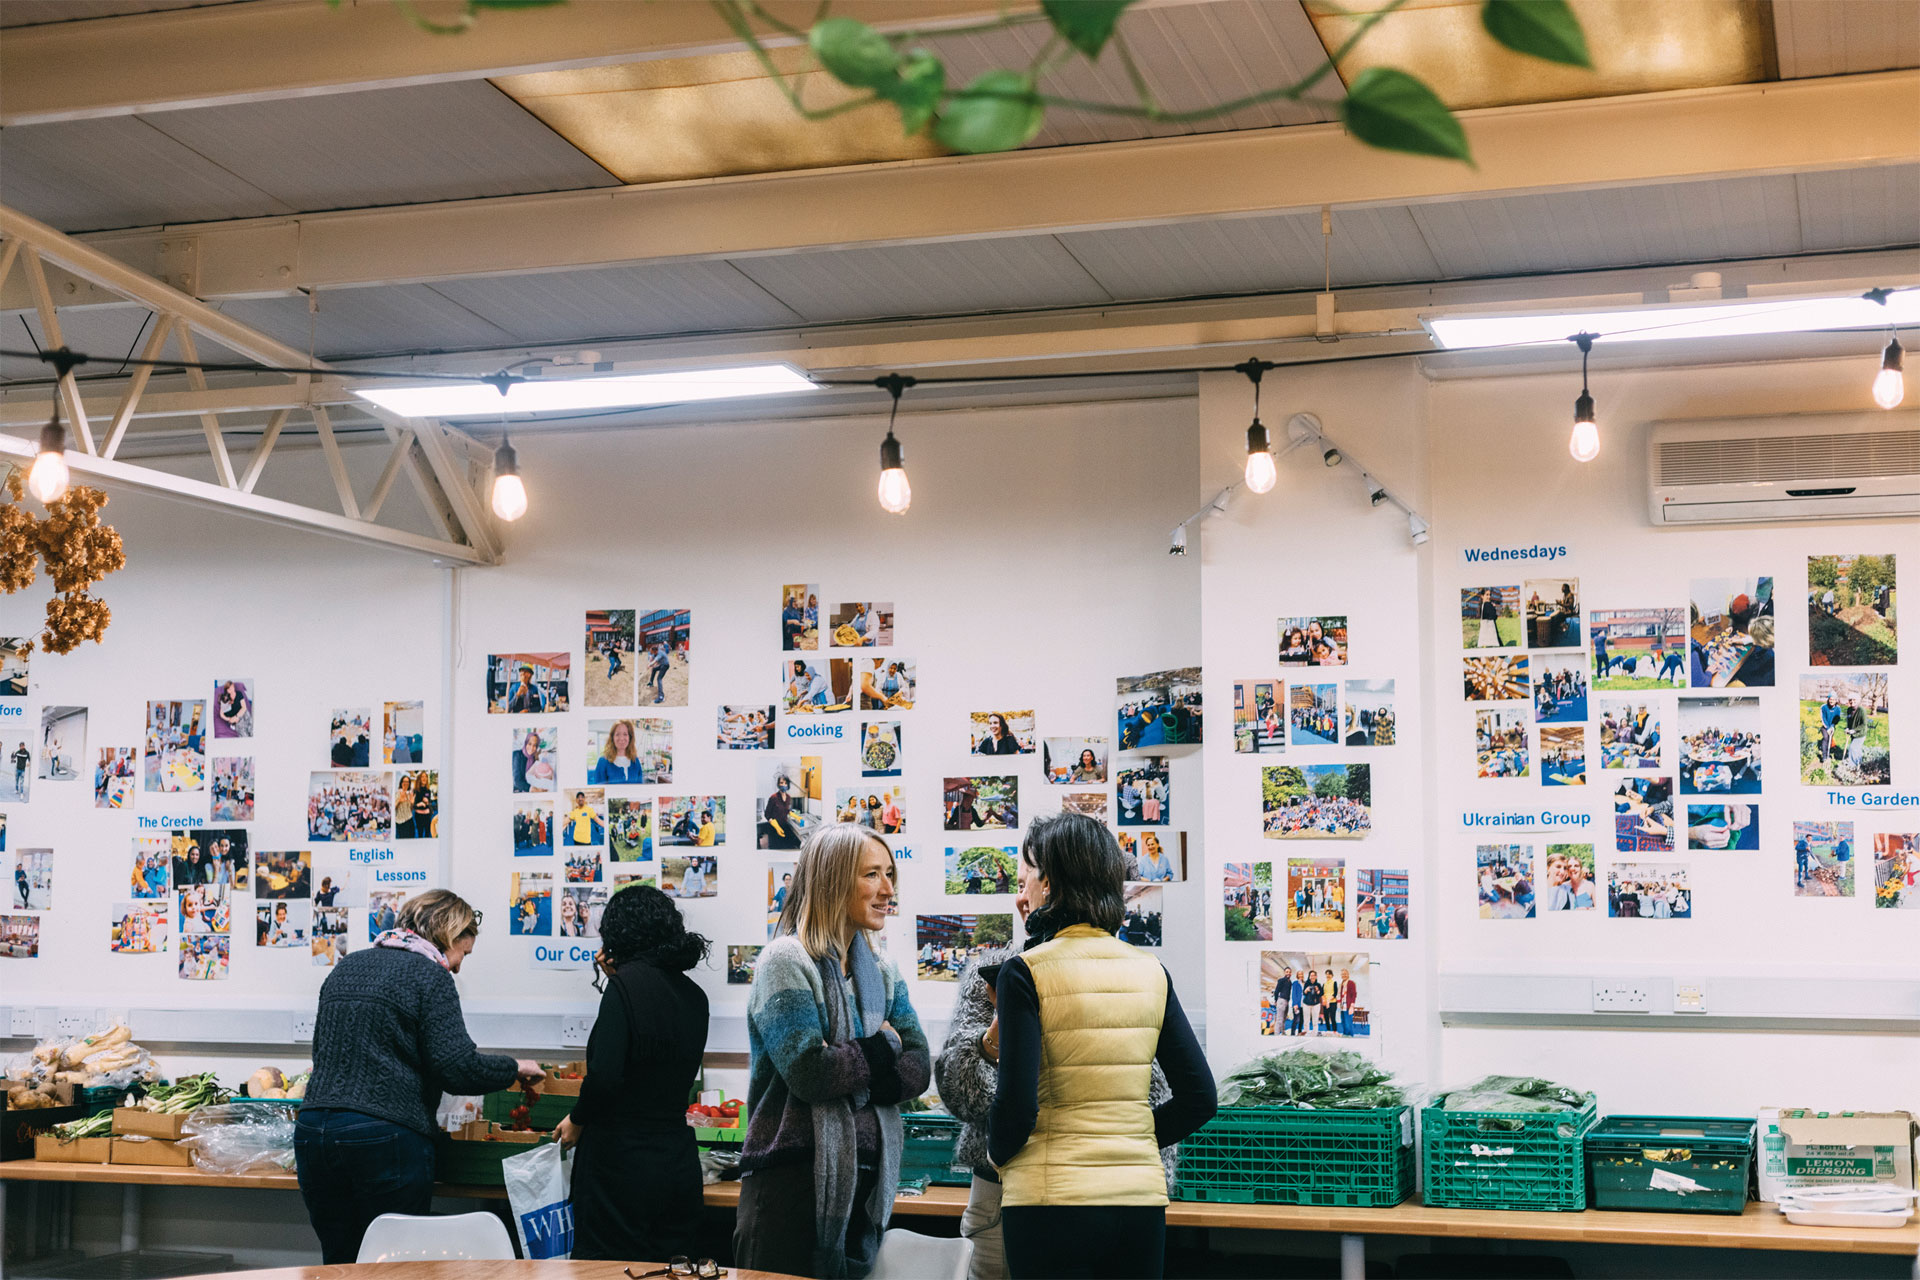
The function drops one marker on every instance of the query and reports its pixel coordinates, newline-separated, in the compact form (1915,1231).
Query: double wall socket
(1625,996)
(574,1031)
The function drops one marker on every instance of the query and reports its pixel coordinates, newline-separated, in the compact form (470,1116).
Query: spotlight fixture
(895,493)
(1332,457)
(1260,473)
(1418,530)
(1177,543)
(1585,443)
(509,493)
(1890,384)
(1378,496)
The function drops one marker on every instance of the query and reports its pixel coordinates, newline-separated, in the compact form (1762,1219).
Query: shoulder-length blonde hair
(441,916)
(823,880)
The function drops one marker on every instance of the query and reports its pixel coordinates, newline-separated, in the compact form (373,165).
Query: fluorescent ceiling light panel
(1673,323)
(572,395)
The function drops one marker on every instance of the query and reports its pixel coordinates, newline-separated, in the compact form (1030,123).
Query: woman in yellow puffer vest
(1082,1018)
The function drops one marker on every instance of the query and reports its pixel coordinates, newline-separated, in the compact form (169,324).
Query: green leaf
(1087,25)
(1394,111)
(997,112)
(917,90)
(854,53)
(1539,28)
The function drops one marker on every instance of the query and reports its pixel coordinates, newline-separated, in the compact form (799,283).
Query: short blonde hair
(441,916)
(823,880)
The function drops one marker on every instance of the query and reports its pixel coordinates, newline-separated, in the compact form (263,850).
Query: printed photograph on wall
(1823,858)
(1553,612)
(1247,895)
(779,889)
(527,683)
(1313,642)
(1629,733)
(863,624)
(329,936)
(799,617)
(609,672)
(1321,801)
(533,827)
(1316,895)
(135,928)
(580,910)
(176,750)
(403,732)
(1315,993)
(233,708)
(222,856)
(1649,891)
(1845,733)
(113,777)
(700,821)
(533,755)
(1639,648)
(1563,755)
(1896,869)
(152,866)
(882,749)
(19,937)
(745,728)
(1730,632)
(664,656)
(816,686)
(788,800)
(282,924)
(1569,879)
(1074,761)
(690,876)
(877,806)
(944,943)
(1498,679)
(1313,715)
(282,873)
(383,911)
(1257,726)
(1380,904)
(16,653)
(982,869)
(1850,611)
(32,888)
(1729,828)
(232,789)
(1146,909)
(885,683)
(625,877)
(584,824)
(1092,803)
(204,958)
(628,752)
(416,804)
(350,807)
(203,908)
(1368,713)
(1719,746)
(1144,791)
(1154,857)
(1490,617)
(531,902)
(63,742)
(1002,733)
(1643,815)
(1162,708)
(740,962)
(1506,881)
(629,829)
(981,804)
(350,738)
(1560,689)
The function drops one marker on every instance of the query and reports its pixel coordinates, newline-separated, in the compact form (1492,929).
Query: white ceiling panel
(1860,208)
(1842,37)
(957,278)
(358,322)
(565,306)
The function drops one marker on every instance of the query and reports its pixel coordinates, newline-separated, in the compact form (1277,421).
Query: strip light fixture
(508,394)
(1685,321)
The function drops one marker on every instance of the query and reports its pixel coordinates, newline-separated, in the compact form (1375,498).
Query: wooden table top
(1760,1227)
(468,1270)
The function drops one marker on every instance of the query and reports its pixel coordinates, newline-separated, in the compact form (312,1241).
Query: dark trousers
(775,1230)
(1099,1242)
(353,1168)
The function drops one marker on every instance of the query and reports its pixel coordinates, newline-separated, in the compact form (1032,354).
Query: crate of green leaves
(1508,1142)
(1676,1164)
(929,1150)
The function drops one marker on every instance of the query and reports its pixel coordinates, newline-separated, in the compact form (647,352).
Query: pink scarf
(408,940)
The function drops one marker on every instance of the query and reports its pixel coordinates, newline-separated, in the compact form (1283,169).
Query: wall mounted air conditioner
(1835,466)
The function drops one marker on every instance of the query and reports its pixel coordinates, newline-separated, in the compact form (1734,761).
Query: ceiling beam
(1840,123)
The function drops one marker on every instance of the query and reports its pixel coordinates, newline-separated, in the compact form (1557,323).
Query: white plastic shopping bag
(539,1188)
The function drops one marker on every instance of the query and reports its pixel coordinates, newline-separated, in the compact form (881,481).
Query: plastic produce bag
(540,1188)
(456,1111)
(240,1137)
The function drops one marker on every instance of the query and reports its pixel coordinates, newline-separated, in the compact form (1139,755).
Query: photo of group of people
(403,732)
(1500,744)
(282,874)
(886,684)
(63,742)
(533,828)
(1151,859)
(789,801)
(1316,895)
(1247,896)
(1144,791)
(329,945)
(1643,815)
(1560,691)
(204,957)
(1315,993)
(1490,617)
(1313,715)
(32,888)
(282,924)
(533,756)
(233,708)
(1896,868)
(1091,803)
(981,804)
(690,876)
(1002,733)
(113,777)
(1563,755)
(628,752)
(1369,717)
(1723,828)
(1638,648)
(1162,708)
(1257,727)
(1313,642)
(1569,877)
(700,821)
(176,754)
(608,676)
(877,806)
(799,617)
(416,804)
(1845,729)
(1851,611)
(745,728)
(1143,921)
(1629,734)
(629,829)
(1730,633)
(233,789)
(1553,613)
(1322,801)
(1719,746)
(350,738)
(527,683)
(580,911)
(1380,904)
(861,625)
(19,935)
(1501,678)
(982,869)
(1649,891)
(1823,860)
(137,928)
(816,686)
(153,858)
(350,807)
(1505,881)
(944,943)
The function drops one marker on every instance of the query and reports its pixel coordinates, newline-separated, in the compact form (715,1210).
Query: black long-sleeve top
(645,1049)
(1016,1104)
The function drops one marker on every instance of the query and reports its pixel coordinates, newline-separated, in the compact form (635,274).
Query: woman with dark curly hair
(636,1178)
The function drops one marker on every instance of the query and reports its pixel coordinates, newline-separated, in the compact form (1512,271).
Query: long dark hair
(642,923)
(1084,870)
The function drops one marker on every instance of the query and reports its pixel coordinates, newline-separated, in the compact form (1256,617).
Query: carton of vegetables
(165,1108)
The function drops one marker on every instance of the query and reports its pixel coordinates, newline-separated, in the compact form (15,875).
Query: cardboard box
(563,1088)
(150,1151)
(18,1128)
(1801,1148)
(138,1122)
(79,1151)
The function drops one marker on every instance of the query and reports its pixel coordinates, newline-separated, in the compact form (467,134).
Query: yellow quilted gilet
(1101,1005)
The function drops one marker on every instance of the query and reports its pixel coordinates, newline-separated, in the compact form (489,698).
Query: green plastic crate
(477,1164)
(931,1140)
(1506,1159)
(1627,1156)
(1286,1155)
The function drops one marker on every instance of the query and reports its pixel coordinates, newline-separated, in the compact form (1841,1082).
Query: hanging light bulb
(509,493)
(49,478)
(1261,473)
(1890,384)
(1585,444)
(896,495)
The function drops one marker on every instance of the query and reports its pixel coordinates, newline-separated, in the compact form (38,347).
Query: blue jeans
(353,1168)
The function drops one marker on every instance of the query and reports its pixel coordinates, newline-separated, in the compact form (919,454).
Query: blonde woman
(619,759)
(835,1049)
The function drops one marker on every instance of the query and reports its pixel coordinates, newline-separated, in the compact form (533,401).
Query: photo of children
(176,754)
(1563,755)
(1553,612)
(1560,690)
(383,912)
(665,656)
(403,732)
(533,828)
(885,683)
(152,866)
(945,943)
(982,869)
(350,738)
(609,672)
(1316,895)
(800,617)
(533,753)
(1490,617)
(1629,734)
(416,804)
(700,821)
(1730,633)
(580,911)
(624,752)
(1313,715)
(113,777)
(584,824)
(740,962)
(223,856)
(63,742)
(779,889)
(1145,792)
(1639,648)
(329,935)
(1153,858)
(876,806)
(1501,679)
(1256,717)
(981,804)
(697,876)
(1506,881)
(531,903)
(1315,993)
(1380,902)
(1247,892)
(1163,708)
(1313,642)
(882,749)
(137,928)
(233,789)
(1845,734)
(863,625)
(745,728)
(1369,714)
(1823,860)
(816,686)
(204,958)
(350,807)
(33,880)
(1322,801)
(583,865)
(1719,746)
(1140,925)
(527,683)
(788,800)
(1732,828)
(203,908)
(282,924)
(283,874)
(1569,871)
(19,937)
(1091,803)
(16,652)
(630,829)
(1002,733)
(1643,815)
(1851,611)
(1649,891)
(1896,867)
(233,708)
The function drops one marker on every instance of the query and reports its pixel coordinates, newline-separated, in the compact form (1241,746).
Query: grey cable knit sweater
(967,1081)
(389,1039)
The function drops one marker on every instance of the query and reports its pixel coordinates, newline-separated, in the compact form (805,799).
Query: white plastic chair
(402,1237)
(908,1255)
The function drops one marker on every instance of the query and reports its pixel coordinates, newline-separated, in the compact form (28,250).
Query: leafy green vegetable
(1343,1080)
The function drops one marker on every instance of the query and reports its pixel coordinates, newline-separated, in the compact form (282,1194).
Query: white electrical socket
(71,1023)
(575,1030)
(1624,996)
(22,1022)
(303,1026)
(115,1018)
(1689,995)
